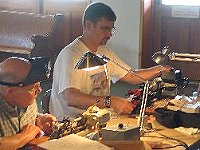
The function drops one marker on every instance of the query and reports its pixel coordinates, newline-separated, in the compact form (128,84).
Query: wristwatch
(107,101)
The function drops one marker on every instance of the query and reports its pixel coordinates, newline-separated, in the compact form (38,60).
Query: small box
(116,134)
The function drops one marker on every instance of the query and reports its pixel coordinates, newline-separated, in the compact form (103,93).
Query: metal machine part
(92,119)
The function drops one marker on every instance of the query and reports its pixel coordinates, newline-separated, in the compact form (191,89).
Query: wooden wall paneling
(67,29)
(72,11)
(181,34)
(157,27)
(147,34)
(64,6)
(20,5)
(195,46)
(75,25)
(175,33)
(195,36)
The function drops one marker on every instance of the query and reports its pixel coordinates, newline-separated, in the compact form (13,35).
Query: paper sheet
(73,142)
(189,131)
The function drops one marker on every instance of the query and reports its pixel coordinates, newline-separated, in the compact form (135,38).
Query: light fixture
(161,57)
(164,55)
(90,60)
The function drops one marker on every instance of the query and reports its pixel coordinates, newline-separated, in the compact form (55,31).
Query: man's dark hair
(96,11)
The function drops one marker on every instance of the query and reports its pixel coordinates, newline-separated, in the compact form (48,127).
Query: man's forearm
(150,73)
(145,74)
(13,142)
(80,100)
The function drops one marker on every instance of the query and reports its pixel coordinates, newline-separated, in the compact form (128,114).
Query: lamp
(91,60)
(161,57)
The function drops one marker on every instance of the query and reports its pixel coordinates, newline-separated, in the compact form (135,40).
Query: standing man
(75,90)
(19,86)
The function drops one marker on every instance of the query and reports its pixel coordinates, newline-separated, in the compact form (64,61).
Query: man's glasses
(108,29)
(35,88)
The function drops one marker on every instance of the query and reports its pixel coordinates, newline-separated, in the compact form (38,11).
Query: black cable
(171,138)
(168,138)
(183,144)
(168,147)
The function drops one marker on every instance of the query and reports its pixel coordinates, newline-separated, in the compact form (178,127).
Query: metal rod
(130,71)
(185,59)
(186,55)
(145,92)
(143,106)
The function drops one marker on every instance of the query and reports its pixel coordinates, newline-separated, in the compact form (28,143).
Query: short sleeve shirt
(13,119)
(96,82)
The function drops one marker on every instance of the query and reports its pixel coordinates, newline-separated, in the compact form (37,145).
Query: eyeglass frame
(108,29)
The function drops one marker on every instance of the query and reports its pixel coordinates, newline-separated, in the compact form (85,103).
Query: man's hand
(121,105)
(30,131)
(45,121)
(165,68)
(27,134)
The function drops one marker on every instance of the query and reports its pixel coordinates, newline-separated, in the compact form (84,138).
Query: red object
(136,92)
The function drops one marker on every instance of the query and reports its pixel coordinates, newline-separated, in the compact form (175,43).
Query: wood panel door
(147,33)
(181,34)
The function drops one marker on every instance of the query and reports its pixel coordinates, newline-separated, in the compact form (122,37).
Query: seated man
(19,87)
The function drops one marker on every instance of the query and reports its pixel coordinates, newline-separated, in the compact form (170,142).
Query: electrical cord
(183,144)
(171,138)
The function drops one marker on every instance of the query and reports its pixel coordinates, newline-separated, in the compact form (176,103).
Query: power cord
(183,144)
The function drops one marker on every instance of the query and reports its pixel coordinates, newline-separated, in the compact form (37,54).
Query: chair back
(45,101)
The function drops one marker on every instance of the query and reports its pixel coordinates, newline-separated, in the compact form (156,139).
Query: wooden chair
(30,35)
(45,101)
